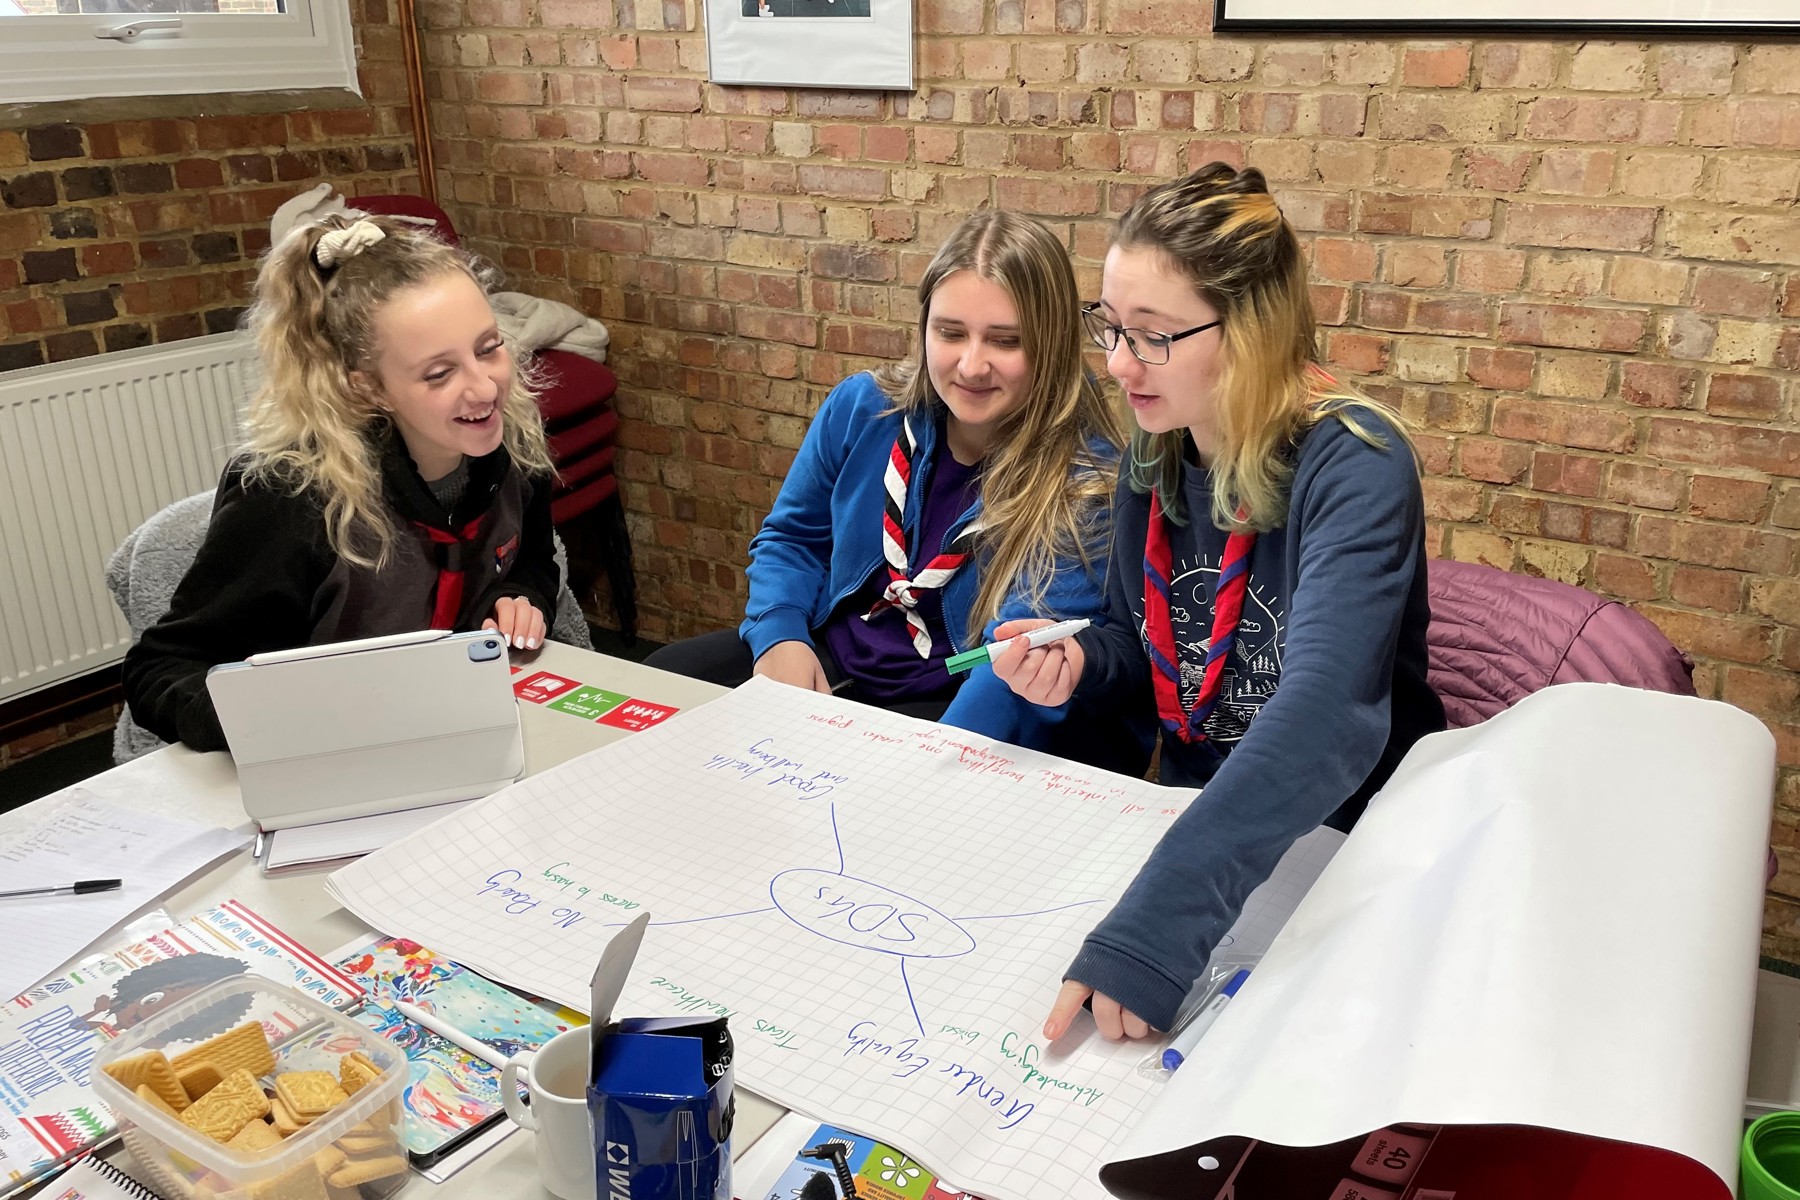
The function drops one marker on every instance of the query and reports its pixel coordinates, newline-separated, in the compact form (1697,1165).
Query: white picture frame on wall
(811,43)
(1629,17)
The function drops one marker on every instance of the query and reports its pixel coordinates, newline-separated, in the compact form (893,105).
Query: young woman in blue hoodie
(936,498)
(1267,585)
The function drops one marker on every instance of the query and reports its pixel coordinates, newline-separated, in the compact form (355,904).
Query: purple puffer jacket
(1496,637)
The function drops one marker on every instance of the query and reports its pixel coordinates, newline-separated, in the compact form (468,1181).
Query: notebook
(84,837)
(352,728)
(299,847)
(96,1179)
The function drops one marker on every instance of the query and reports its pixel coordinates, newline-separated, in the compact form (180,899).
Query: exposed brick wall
(120,233)
(1577,265)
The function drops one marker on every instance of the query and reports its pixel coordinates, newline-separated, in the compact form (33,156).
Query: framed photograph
(812,43)
(1632,18)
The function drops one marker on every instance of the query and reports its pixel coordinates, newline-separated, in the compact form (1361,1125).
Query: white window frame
(68,57)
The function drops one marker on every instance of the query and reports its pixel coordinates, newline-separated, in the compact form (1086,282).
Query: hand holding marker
(969,659)
(1188,1036)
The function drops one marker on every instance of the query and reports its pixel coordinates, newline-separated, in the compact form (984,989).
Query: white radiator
(88,450)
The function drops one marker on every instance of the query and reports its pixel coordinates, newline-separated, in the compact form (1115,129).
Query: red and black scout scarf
(904,584)
(1159,630)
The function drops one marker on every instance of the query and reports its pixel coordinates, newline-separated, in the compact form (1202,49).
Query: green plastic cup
(1769,1160)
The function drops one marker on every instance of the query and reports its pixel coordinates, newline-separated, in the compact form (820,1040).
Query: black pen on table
(80,887)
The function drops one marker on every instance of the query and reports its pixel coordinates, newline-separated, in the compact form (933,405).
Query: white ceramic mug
(557,1111)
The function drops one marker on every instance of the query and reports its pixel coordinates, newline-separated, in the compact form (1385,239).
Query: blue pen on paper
(970,659)
(1187,1038)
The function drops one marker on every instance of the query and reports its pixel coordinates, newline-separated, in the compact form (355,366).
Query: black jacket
(267,579)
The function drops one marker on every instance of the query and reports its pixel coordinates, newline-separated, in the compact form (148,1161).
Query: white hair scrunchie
(340,245)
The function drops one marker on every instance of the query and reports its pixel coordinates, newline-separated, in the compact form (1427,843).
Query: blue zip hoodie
(822,542)
(1324,693)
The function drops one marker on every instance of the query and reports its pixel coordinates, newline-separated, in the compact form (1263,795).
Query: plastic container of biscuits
(249,1090)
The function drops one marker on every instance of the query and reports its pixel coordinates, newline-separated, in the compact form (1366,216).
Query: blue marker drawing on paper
(957,876)
(866,915)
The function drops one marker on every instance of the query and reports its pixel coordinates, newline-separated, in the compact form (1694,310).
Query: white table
(203,787)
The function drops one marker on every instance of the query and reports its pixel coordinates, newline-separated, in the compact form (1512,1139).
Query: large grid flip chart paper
(883,907)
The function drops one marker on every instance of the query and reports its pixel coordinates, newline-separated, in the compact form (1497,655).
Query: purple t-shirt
(879,653)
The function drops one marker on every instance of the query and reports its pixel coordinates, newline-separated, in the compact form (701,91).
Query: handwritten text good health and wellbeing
(763,764)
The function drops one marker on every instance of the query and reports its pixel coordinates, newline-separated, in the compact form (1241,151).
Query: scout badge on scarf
(1159,629)
(903,586)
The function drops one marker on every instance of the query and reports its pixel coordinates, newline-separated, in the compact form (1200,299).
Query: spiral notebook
(95,1179)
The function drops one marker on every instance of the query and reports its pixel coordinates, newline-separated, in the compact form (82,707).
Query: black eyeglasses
(1150,348)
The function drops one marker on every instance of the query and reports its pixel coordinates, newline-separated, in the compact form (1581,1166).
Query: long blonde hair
(309,426)
(1222,229)
(1045,492)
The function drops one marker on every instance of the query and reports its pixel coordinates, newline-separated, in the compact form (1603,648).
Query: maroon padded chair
(583,428)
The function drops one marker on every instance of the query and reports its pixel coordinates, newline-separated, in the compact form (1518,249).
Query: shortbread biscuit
(199,1078)
(148,1095)
(246,1047)
(151,1069)
(309,1094)
(225,1110)
(286,1123)
(256,1135)
(361,1145)
(356,1072)
(363,1170)
(166,1182)
(302,1182)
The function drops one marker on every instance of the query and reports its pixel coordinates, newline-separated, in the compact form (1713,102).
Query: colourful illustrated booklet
(50,1034)
(450,1092)
(878,1172)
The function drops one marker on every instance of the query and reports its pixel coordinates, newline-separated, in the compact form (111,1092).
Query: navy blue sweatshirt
(1323,694)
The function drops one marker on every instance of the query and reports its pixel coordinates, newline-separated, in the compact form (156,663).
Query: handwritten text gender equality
(906,1056)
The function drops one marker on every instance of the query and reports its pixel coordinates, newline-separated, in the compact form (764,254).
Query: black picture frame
(1336,24)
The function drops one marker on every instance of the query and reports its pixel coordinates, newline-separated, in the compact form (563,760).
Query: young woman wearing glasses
(1267,584)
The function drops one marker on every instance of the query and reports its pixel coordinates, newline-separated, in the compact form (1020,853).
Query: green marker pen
(969,659)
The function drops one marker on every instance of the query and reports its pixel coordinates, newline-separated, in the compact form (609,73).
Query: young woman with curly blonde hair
(394,476)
